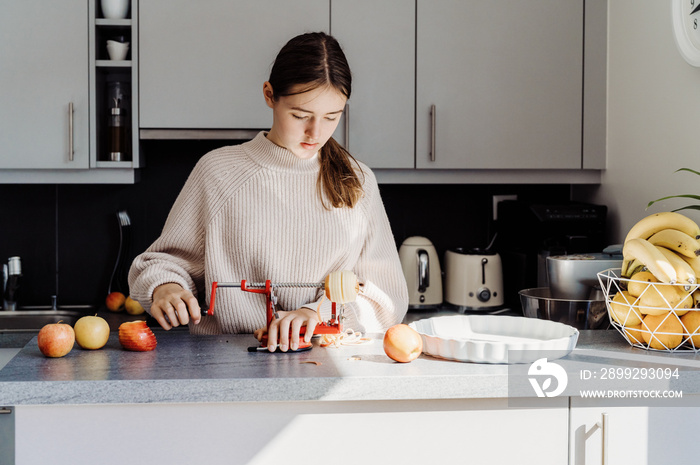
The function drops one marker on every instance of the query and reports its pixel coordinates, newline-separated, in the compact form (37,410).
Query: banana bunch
(665,244)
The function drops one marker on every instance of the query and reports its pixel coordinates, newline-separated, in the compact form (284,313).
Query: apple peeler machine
(333,326)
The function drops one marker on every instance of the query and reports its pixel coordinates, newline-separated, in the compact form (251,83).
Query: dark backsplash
(67,235)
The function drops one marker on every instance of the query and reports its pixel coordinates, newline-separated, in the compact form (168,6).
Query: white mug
(117,50)
(115,9)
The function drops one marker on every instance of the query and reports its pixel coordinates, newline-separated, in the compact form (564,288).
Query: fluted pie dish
(495,338)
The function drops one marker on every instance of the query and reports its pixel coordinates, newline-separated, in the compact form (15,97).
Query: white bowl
(117,50)
(115,9)
(489,338)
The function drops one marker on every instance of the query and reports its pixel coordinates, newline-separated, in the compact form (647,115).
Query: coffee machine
(527,233)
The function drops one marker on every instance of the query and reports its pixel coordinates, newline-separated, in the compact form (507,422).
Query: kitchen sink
(35,317)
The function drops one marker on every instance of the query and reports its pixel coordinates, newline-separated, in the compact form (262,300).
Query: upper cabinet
(499,84)
(443,90)
(55,121)
(378,39)
(203,64)
(44,96)
(450,87)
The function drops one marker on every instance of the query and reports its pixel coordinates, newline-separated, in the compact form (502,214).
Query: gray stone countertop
(15,339)
(186,368)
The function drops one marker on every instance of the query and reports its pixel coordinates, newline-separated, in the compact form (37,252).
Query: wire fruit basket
(653,315)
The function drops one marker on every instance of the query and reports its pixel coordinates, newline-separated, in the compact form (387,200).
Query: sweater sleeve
(177,256)
(383,299)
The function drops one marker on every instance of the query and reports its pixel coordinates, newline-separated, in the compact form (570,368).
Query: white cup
(117,50)
(115,9)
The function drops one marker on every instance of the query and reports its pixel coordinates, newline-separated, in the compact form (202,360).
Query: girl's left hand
(286,329)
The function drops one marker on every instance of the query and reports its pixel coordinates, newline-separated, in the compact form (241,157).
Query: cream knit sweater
(252,212)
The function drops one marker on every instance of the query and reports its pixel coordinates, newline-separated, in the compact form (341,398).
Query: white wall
(653,116)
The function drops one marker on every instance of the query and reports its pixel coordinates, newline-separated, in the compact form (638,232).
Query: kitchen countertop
(186,368)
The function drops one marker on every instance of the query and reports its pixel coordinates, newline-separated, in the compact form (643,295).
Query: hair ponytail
(338,181)
(314,60)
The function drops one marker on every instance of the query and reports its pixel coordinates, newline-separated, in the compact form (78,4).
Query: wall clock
(686,28)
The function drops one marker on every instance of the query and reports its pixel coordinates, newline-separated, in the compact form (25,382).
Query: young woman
(290,205)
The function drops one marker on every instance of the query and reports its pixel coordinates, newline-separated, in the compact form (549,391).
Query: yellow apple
(91,332)
(133,307)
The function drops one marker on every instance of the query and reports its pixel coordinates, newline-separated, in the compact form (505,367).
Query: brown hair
(315,60)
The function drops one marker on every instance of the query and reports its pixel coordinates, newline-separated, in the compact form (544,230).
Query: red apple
(137,336)
(115,301)
(91,332)
(56,339)
(133,307)
(402,343)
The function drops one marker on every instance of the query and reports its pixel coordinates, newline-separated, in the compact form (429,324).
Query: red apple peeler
(332,326)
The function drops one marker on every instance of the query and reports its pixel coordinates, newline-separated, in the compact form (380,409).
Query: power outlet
(500,198)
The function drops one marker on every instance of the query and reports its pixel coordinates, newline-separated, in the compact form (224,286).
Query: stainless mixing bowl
(581,314)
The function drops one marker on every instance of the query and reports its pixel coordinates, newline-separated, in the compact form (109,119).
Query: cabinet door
(427,432)
(378,39)
(634,434)
(203,64)
(44,69)
(505,79)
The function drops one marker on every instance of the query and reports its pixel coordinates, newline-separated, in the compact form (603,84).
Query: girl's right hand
(172,306)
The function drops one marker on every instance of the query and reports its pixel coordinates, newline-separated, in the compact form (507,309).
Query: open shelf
(113,63)
(103,22)
(115,164)
(106,77)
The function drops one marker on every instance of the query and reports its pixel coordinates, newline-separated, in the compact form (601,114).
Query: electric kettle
(473,279)
(421,267)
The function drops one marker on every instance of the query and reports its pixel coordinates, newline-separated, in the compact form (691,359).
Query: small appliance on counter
(575,276)
(421,268)
(528,233)
(473,279)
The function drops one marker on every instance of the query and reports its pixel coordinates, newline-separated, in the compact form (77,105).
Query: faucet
(11,274)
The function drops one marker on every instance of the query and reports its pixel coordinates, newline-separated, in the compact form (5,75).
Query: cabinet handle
(70,131)
(5,410)
(432,132)
(347,127)
(604,436)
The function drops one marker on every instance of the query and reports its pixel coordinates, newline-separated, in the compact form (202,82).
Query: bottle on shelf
(119,140)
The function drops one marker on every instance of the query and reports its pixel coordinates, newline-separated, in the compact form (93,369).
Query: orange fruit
(691,321)
(665,331)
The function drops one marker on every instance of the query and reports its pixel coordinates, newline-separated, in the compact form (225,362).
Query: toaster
(421,268)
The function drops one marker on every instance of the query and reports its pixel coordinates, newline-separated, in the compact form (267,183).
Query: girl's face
(303,123)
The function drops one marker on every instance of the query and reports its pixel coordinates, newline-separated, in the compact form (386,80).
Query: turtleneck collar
(269,155)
